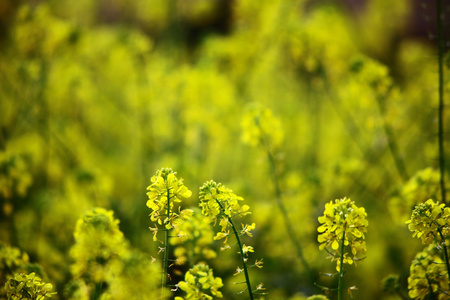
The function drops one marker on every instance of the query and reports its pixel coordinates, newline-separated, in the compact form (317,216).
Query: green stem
(98,291)
(392,143)
(441,99)
(166,245)
(341,268)
(243,259)
(444,246)
(432,295)
(278,196)
(287,221)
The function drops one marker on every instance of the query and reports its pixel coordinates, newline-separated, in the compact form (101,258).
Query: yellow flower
(428,219)
(216,199)
(247,249)
(260,127)
(428,274)
(165,190)
(200,284)
(195,234)
(98,243)
(342,218)
(28,286)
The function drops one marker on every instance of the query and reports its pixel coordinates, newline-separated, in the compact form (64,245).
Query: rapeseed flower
(200,284)
(343,222)
(196,235)
(216,199)
(27,286)
(428,220)
(428,275)
(165,190)
(261,127)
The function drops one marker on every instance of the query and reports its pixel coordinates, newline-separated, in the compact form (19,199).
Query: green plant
(99,246)
(439,17)
(428,277)
(220,203)
(165,191)
(200,284)
(28,286)
(198,236)
(343,228)
(430,221)
(262,128)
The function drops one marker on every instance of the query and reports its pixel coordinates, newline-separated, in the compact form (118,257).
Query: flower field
(227,149)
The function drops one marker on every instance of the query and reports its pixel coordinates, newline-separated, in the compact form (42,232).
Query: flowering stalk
(241,252)
(216,202)
(166,245)
(200,283)
(343,225)
(99,246)
(341,270)
(165,190)
(444,245)
(430,218)
(283,210)
(28,286)
(427,278)
(262,128)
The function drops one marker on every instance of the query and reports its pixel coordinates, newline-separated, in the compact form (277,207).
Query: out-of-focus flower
(261,127)
(428,275)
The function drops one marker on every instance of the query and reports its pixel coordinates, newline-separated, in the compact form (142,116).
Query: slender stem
(287,221)
(441,99)
(98,291)
(341,268)
(243,259)
(392,143)
(444,246)
(432,294)
(278,196)
(166,245)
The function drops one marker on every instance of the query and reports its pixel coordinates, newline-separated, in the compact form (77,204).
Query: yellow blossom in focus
(200,284)
(342,219)
(429,219)
(165,190)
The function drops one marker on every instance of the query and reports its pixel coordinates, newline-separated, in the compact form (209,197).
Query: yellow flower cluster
(98,242)
(197,236)
(343,221)
(216,200)
(105,267)
(28,286)
(165,190)
(11,258)
(261,127)
(428,275)
(370,72)
(200,284)
(15,178)
(429,219)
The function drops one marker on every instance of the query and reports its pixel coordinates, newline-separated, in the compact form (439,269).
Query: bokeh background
(96,95)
